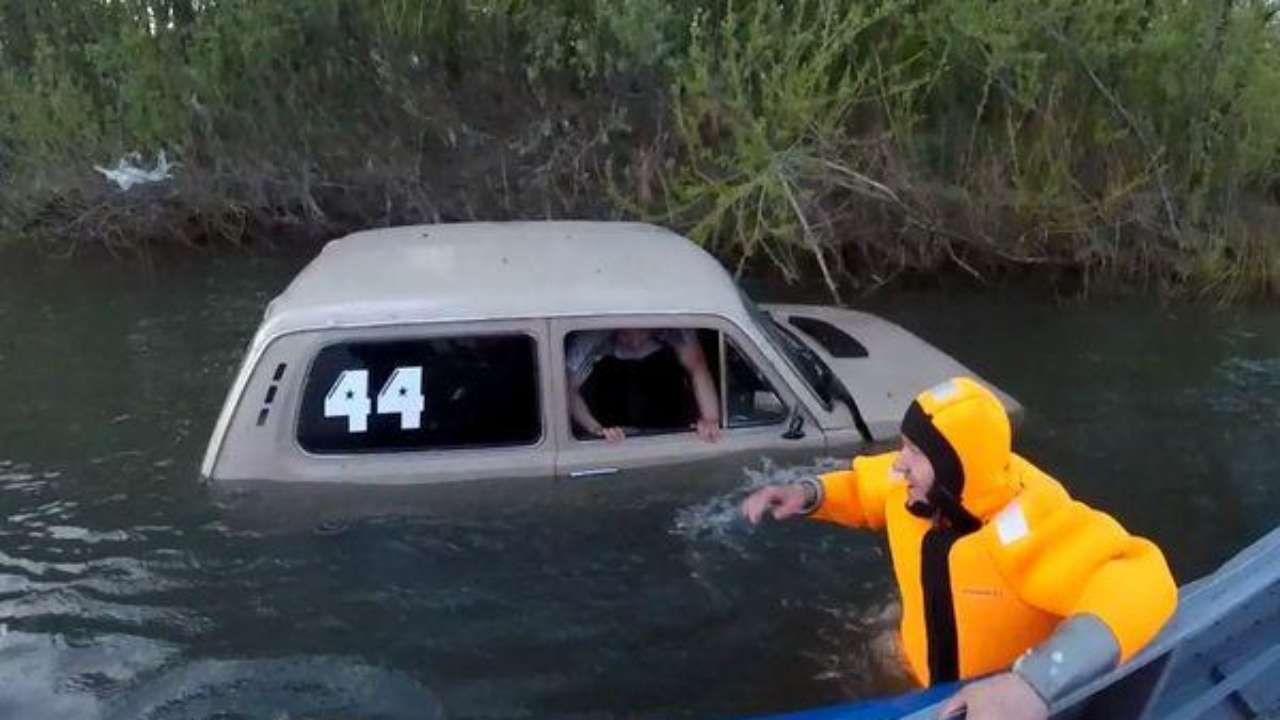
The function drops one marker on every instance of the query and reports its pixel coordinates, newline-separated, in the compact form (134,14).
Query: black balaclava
(948,474)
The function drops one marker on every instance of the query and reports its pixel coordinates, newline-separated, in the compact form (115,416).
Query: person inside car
(640,380)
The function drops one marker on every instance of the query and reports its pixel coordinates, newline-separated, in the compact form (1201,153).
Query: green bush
(1120,139)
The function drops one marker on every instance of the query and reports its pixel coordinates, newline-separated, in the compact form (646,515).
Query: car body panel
(898,366)
(544,279)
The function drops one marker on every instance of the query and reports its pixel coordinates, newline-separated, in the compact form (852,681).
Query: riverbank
(841,145)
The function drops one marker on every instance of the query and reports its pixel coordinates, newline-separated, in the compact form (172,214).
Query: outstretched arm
(781,501)
(853,497)
(704,389)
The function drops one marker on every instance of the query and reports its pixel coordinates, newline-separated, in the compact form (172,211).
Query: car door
(756,408)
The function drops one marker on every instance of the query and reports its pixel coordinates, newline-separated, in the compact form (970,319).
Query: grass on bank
(1123,141)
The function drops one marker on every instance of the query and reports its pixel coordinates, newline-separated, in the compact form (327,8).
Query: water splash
(719,519)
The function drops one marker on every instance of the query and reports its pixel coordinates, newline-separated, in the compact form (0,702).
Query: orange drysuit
(997,574)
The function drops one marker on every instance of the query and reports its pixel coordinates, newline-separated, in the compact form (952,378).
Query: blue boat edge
(889,708)
(1220,653)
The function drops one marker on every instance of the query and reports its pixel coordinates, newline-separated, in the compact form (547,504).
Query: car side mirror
(795,426)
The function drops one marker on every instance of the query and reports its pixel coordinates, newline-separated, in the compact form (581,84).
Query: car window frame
(723,326)
(725,342)
(425,331)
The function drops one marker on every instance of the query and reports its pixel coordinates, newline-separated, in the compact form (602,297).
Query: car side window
(749,398)
(433,393)
(626,382)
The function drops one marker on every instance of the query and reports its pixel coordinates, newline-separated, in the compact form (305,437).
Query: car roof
(481,271)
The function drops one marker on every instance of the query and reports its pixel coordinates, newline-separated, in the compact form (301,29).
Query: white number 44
(400,395)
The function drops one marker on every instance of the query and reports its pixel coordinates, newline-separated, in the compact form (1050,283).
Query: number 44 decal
(401,394)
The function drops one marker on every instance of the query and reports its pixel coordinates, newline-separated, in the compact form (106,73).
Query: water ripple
(76,611)
(312,686)
(1247,387)
(23,479)
(49,676)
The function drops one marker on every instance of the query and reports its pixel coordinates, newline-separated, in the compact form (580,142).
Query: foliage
(1110,139)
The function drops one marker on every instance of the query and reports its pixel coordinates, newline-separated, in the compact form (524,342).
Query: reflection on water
(1248,389)
(311,686)
(51,676)
(130,590)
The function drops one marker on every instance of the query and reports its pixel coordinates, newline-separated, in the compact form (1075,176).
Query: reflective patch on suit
(1011,524)
(981,592)
(944,391)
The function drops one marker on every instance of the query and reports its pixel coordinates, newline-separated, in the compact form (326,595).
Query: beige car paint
(544,279)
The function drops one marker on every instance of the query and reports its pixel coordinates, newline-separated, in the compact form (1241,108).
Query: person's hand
(612,434)
(708,430)
(1003,697)
(783,500)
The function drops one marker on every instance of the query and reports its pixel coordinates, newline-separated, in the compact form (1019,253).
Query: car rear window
(437,393)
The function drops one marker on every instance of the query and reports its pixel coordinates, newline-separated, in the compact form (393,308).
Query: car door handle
(594,472)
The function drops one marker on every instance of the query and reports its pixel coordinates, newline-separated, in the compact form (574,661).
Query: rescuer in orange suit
(1001,572)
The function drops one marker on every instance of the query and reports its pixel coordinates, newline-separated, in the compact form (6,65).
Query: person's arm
(853,497)
(1081,650)
(1113,590)
(582,415)
(1001,697)
(780,501)
(856,497)
(584,349)
(704,387)
(1081,562)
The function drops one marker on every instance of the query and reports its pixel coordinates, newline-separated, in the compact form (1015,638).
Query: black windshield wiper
(837,388)
(812,369)
(825,382)
(809,364)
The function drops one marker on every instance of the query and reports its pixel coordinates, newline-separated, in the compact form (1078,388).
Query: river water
(128,589)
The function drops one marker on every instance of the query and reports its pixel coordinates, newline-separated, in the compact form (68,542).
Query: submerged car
(438,353)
